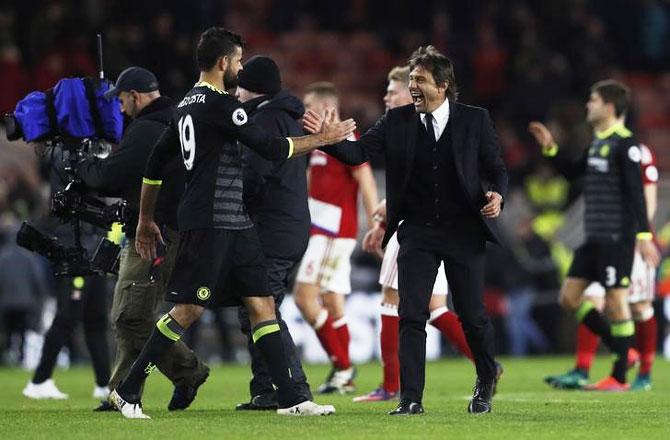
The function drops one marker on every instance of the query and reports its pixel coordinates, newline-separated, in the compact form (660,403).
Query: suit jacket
(476,148)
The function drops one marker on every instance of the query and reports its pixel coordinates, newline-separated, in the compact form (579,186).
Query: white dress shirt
(440,119)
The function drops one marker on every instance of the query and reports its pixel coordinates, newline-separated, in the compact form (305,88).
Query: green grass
(524,408)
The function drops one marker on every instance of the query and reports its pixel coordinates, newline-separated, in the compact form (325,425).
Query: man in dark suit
(445,182)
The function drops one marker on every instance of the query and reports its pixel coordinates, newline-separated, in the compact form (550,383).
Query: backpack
(75,108)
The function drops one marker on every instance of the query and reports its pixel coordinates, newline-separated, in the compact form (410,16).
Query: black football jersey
(207,127)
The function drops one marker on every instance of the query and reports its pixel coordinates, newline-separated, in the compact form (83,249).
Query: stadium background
(523,60)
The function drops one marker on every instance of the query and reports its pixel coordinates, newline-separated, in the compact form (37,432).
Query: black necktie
(429,127)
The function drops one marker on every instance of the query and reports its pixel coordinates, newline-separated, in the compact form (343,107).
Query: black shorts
(609,264)
(218,266)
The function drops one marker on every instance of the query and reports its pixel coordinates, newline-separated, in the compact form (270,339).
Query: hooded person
(275,195)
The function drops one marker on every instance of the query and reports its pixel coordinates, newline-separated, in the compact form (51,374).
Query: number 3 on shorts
(187,140)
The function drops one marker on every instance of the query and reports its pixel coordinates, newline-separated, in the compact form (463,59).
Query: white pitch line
(512,398)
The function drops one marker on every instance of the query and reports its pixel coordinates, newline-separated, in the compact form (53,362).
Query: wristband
(550,150)
(291,147)
(644,236)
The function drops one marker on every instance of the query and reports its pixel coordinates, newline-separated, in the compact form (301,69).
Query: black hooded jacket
(120,174)
(275,192)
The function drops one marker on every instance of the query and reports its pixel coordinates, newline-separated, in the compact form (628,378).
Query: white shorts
(327,263)
(642,283)
(388,276)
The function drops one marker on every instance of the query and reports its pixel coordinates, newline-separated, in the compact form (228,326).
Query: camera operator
(141,284)
(78,299)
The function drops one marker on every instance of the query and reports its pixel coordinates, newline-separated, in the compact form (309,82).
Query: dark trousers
(89,306)
(422,248)
(278,271)
(15,323)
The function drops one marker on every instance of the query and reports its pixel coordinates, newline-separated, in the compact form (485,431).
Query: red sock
(330,341)
(448,323)
(646,334)
(587,344)
(342,330)
(389,346)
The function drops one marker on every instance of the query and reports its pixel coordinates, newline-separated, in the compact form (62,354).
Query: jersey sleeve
(233,119)
(572,167)
(648,164)
(630,157)
(165,150)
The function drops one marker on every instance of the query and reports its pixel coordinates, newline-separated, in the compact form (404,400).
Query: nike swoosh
(174,293)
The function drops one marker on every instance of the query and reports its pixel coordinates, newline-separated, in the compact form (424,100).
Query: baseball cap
(133,78)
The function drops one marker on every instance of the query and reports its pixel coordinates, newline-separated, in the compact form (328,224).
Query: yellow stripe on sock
(162,326)
(584,310)
(151,182)
(622,329)
(265,330)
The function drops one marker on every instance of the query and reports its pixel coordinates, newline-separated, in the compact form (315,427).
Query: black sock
(166,333)
(267,337)
(596,322)
(622,336)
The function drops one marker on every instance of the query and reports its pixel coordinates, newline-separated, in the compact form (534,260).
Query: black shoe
(261,402)
(407,408)
(499,373)
(184,395)
(481,398)
(105,405)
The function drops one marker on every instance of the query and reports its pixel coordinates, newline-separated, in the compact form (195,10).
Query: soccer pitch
(524,408)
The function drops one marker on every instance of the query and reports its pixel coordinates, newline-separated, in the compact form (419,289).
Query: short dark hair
(322,88)
(439,65)
(613,92)
(216,42)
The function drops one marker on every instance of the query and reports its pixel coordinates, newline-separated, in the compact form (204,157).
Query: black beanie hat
(260,75)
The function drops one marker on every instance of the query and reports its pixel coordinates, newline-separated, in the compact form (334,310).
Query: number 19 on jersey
(187,140)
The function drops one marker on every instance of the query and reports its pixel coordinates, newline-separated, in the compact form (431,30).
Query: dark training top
(207,125)
(275,192)
(120,174)
(615,205)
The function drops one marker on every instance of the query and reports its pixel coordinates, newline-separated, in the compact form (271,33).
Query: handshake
(328,126)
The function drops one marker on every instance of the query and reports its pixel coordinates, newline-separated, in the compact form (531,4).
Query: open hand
(147,236)
(334,131)
(312,121)
(541,133)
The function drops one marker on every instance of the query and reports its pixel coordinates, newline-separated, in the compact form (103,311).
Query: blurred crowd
(521,59)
